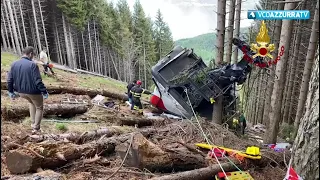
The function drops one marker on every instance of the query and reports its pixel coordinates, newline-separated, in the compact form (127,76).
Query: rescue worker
(129,87)
(136,93)
(243,122)
(44,58)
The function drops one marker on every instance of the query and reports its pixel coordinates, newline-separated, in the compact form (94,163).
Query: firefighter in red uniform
(136,93)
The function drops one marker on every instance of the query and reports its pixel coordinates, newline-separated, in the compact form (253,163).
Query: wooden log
(129,121)
(145,154)
(14,113)
(44,175)
(78,91)
(85,136)
(52,155)
(198,174)
(76,137)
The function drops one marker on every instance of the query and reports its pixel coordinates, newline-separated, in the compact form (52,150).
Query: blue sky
(189,18)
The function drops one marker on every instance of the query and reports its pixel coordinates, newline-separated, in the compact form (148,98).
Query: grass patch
(89,81)
(67,78)
(61,127)
(7,59)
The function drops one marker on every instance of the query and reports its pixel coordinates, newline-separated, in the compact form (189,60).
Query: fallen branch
(11,113)
(78,91)
(198,174)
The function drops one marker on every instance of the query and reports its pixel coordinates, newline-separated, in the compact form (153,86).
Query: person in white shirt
(45,60)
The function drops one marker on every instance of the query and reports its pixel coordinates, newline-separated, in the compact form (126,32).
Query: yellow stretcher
(236,175)
(251,152)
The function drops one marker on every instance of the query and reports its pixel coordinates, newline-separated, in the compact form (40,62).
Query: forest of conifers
(284,97)
(108,39)
(94,35)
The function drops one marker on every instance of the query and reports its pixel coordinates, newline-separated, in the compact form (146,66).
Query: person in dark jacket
(136,93)
(243,122)
(129,87)
(24,77)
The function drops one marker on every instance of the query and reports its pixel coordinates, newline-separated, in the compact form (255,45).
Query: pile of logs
(78,91)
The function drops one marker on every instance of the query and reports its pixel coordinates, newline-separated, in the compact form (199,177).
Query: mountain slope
(203,44)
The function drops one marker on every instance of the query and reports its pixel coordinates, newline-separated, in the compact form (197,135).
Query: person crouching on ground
(136,93)
(24,77)
(129,87)
(45,60)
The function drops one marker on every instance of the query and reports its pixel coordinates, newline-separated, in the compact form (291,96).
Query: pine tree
(143,35)
(162,36)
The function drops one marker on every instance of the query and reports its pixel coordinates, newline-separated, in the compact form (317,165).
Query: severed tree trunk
(218,105)
(305,157)
(53,155)
(278,87)
(237,29)
(79,91)
(36,25)
(67,110)
(143,154)
(230,30)
(276,39)
(198,174)
(313,43)
(43,175)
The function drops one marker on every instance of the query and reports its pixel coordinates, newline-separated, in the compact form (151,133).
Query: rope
(220,165)
(207,140)
(204,135)
(124,158)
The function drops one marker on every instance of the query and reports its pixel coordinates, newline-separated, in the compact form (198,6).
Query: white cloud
(188,18)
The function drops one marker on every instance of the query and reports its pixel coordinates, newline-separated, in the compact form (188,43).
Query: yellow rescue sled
(236,175)
(251,152)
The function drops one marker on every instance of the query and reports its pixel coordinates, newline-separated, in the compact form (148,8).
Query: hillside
(203,44)
(81,129)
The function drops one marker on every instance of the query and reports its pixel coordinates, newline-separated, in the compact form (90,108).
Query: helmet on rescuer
(139,82)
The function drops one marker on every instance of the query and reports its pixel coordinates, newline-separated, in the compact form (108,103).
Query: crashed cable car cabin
(185,86)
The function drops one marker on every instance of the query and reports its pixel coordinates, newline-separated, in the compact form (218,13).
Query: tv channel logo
(278,15)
